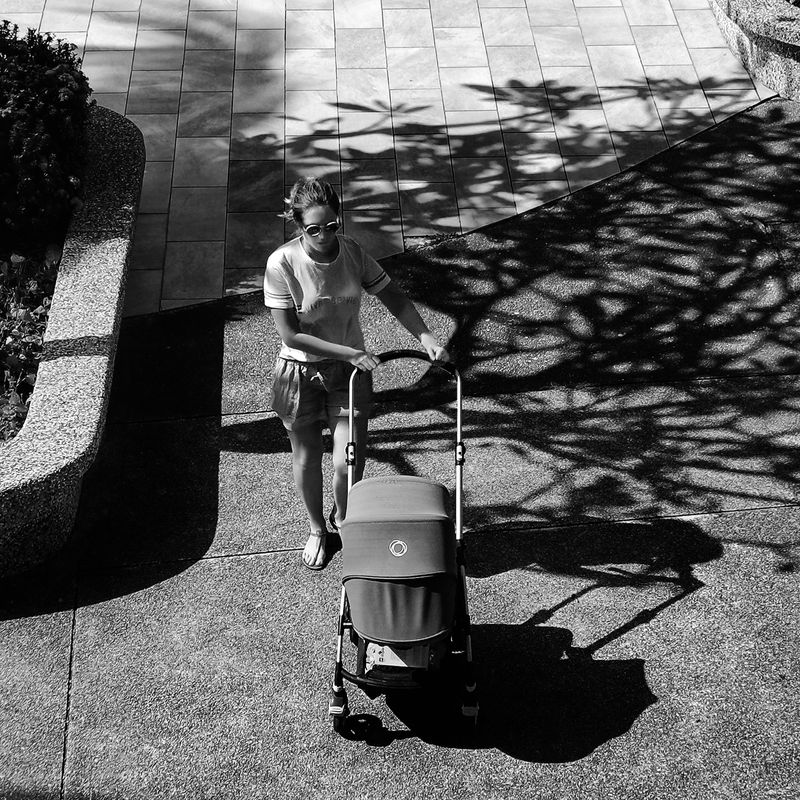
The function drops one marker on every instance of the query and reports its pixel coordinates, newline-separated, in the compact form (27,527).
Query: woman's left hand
(432,347)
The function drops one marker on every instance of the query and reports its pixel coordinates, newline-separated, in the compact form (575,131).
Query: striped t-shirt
(327,297)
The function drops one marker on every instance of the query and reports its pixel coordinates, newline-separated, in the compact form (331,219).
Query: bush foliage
(44,104)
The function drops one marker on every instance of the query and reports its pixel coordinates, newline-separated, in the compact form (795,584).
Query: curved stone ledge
(42,468)
(765,34)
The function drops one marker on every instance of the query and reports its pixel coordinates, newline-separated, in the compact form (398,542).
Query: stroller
(404,600)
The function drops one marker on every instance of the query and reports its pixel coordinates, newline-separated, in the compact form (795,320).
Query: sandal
(319,535)
(332,519)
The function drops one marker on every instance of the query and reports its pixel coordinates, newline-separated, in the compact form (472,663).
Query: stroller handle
(391,355)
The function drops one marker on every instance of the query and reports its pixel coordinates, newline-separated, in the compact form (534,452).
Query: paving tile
(616,65)
(311,69)
(211,30)
(514,66)
(116,5)
(313,155)
(560,47)
(255,186)
(412,68)
(14,6)
(112,30)
(258,14)
(502,3)
(505,26)
(482,182)
(142,291)
(67,16)
(205,114)
(532,194)
(630,109)
(249,238)
(309,29)
(258,91)
(718,69)
(201,161)
(649,12)
(429,208)
(523,109)
(583,131)
(108,71)
(408,27)
(523,143)
(699,28)
(571,87)
(676,4)
(149,241)
(472,218)
(360,48)
(260,49)
(675,87)
(527,168)
(156,186)
(366,135)
(116,101)
(455,14)
(460,47)
(358,14)
(601,25)
(467,88)
(681,123)
(423,158)
(633,147)
(23,20)
(208,71)
(257,137)
(727,102)
(158,15)
(475,134)
(154,92)
(212,5)
(378,230)
(552,13)
(586,170)
(197,213)
(244,281)
(406,3)
(363,90)
(590,3)
(661,44)
(311,113)
(162,50)
(193,270)
(417,111)
(370,183)
(159,132)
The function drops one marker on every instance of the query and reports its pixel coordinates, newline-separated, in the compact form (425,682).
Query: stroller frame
(456,644)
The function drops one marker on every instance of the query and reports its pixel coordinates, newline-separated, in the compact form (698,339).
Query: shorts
(307,392)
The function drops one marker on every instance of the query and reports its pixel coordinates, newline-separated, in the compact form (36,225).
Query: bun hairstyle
(308,192)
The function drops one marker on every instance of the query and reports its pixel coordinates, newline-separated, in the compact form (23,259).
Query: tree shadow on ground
(542,698)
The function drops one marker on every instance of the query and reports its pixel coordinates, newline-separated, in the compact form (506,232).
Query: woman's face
(324,243)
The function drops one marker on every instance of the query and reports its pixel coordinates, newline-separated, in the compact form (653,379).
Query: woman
(312,287)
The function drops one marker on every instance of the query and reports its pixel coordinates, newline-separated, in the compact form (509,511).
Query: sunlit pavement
(431,116)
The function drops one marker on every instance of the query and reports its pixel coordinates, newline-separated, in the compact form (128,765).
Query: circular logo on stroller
(398,548)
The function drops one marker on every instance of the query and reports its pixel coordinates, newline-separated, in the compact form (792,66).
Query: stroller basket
(399,560)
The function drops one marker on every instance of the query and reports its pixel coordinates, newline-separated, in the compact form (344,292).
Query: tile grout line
(67,709)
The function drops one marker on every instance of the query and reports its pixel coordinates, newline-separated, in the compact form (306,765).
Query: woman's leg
(340,433)
(307,468)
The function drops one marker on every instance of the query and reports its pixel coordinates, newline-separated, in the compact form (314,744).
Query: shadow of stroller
(542,698)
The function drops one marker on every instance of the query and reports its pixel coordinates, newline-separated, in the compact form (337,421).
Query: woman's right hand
(364,360)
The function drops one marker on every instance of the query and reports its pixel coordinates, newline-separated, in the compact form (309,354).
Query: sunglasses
(316,230)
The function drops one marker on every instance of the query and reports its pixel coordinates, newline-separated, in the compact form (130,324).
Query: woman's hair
(308,192)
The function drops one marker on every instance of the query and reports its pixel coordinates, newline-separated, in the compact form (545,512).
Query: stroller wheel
(340,724)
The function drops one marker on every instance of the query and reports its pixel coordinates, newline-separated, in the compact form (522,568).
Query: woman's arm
(398,304)
(289,330)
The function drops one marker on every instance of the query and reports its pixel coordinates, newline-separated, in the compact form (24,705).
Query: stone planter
(765,34)
(42,468)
